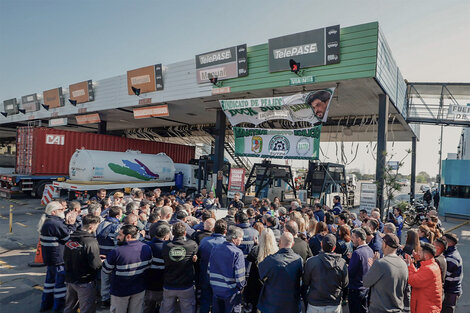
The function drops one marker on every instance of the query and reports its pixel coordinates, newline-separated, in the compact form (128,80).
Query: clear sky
(50,43)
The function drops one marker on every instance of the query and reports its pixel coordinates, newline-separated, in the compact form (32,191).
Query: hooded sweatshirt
(325,275)
(387,279)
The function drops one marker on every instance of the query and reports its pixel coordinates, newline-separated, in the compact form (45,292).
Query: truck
(92,170)
(43,156)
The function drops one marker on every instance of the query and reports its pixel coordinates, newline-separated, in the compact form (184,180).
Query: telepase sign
(223,64)
(310,48)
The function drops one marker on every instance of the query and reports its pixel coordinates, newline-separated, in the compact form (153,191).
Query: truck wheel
(39,190)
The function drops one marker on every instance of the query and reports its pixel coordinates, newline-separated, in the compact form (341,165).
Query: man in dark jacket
(154,278)
(454,274)
(82,262)
(250,235)
(236,203)
(325,276)
(54,234)
(376,243)
(359,265)
(281,272)
(230,217)
(300,246)
(178,279)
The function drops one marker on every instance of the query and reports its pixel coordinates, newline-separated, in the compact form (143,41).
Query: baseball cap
(329,242)
(391,240)
(452,237)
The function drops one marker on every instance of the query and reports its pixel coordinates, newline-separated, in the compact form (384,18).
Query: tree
(423,178)
(391,179)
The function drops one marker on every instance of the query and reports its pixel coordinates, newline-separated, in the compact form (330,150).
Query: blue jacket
(337,208)
(249,236)
(127,265)
(199,226)
(205,249)
(281,273)
(106,234)
(319,215)
(315,244)
(454,275)
(54,235)
(376,244)
(226,270)
(359,266)
(154,276)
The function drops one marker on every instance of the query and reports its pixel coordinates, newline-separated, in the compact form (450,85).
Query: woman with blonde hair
(267,245)
(425,234)
(312,225)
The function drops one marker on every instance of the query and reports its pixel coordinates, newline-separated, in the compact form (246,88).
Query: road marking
(455,227)
(17,202)
(38,287)
(1,216)
(5,265)
(21,224)
(27,213)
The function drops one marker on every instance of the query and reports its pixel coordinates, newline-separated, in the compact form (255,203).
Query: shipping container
(47,151)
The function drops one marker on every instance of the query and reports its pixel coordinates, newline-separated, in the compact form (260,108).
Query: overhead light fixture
(136,91)
(4,114)
(213,79)
(294,66)
(23,111)
(45,106)
(73,102)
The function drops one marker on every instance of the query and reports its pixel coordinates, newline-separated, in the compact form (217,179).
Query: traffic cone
(38,261)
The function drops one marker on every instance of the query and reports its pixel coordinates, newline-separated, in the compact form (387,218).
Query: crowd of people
(152,252)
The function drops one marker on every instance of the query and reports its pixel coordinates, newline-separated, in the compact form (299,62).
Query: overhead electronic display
(223,64)
(311,48)
(147,79)
(82,92)
(53,98)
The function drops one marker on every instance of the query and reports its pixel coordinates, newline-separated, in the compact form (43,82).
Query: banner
(459,112)
(368,198)
(236,182)
(309,107)
(278,143)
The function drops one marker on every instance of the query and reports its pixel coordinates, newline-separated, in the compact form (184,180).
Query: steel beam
(219,151)
(382,131)
(413,170)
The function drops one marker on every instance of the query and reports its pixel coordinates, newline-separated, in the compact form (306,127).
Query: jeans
(105,286)
(152,300)
(132,303)
(450,300)
(206,298)
(357,300)
(53,295)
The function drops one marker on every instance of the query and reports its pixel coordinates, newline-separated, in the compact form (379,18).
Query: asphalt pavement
(21,285)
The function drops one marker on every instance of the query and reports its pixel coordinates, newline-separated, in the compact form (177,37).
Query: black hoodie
(81,258)
(325,276)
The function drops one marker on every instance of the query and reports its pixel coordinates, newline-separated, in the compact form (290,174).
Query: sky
(50,43)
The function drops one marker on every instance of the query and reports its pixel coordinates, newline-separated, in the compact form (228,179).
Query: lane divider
(21,224)
(5,265)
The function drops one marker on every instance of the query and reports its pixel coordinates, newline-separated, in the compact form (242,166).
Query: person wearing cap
(55,231)
(325,276)
(281,273)
(359,265)
(454,274)
(425,282)
(387,278)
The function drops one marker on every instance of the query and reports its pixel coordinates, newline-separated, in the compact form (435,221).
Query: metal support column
(382,130)
(438,180)
(219,151)
(413,170)
(102,127)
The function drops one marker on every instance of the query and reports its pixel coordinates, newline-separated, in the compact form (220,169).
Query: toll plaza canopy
(361,69)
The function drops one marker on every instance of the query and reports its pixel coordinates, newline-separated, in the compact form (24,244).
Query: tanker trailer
(92,170)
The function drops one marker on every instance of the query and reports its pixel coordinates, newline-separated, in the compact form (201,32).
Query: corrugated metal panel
(358,60)
(36,156)
(389,76)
